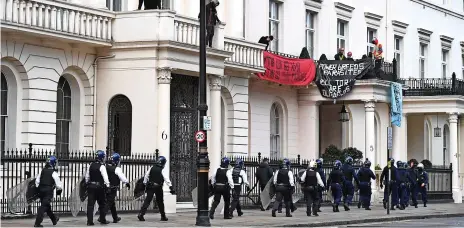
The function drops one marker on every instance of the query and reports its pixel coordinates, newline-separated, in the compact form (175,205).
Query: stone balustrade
(58,17)
(246,53)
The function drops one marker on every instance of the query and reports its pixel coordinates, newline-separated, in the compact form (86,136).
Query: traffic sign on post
(389,138)
(207,123)
(200,136)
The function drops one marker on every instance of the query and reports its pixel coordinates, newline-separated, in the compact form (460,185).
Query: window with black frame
(63,118)
(4,112)
(120,125)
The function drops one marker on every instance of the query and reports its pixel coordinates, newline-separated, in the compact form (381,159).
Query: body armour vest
(364,175)
(311,178)
(336,176)
(156,175)
(112,176)
(421,178)
(282,177)
(236,175)
(413,174)
(221,176)
(348,172)
(46,177)
(95,174)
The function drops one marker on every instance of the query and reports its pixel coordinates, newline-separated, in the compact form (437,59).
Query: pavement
(426,223)
(257,218)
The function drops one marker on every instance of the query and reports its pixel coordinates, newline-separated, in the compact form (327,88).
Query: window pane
(397,44)
(398,64)
(342,43)
(4,94)
(444,70)
(341,28)
(422,50)
(3,130)
(443,54)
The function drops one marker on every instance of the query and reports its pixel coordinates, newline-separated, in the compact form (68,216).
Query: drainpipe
(94,122)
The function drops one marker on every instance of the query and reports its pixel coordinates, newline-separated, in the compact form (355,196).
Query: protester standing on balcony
(150,4)
(46,181)
(350,56)
(211,21)
(263,175)
(340,55)
(266,40)
(377,53)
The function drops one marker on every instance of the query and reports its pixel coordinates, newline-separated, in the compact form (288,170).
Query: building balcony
(57,20)
(247,55)
(433,86)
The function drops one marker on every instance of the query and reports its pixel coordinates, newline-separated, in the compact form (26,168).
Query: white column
(397,143)
(308,113)
(164,126)
(370,135)
(453,127)
(461,145)
(214,136)
(404,138)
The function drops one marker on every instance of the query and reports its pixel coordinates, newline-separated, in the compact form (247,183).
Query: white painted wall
(261,98)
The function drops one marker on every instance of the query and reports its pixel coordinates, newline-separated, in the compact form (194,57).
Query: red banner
(288,71)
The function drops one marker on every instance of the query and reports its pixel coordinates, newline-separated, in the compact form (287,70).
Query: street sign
(200,136)
(389,138)
(207,123)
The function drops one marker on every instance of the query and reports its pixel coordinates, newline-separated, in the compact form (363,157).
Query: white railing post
(99,27)
(28,13)
(53,19)
(94,26)
(77,21)
(15,10)
(22,5)
(104,31)
(83,23)
(47,17)
(9,10)
(71,21)
(40,17)
(110,21)
(59,19)
(65,20)
(35,8)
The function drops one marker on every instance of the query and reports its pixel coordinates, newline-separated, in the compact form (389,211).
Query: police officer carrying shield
(222,184)
(335,181)
(422,182)
(239,177)
(153,180)
(284,187)
(98,185)
(263,174)
(46,181)
(393,184)
(320,189)
(348,187)
(115,175)
(310,180)
(365,175)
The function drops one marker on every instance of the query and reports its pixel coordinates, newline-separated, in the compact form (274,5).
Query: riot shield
(139,189)
(16,196)
(82,190)
(210,199)
(268,193)
(74,200)
(32,192)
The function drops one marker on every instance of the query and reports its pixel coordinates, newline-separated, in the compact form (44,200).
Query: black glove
(248,188)
(293,189)
(128,186)
(172,190)
(59,191)
(381,186)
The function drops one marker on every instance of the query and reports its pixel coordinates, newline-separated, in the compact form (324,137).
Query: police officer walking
(222,184)
(393,186)
(335,181)
(320,189)
(348,187)
(239,177)
(153,181)
(98,185)
(284,187)
(115,175)
(263,174)
(365,175)
(423,181)
(413,187)
(46,181)
(403,180)
(310,180)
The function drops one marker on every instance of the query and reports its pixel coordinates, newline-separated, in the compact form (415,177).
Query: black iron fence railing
(17,165)
(433,86)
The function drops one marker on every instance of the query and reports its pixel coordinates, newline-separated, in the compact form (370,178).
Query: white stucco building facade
(77,76)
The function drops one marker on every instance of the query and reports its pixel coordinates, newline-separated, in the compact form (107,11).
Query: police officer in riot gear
(153,180)
(46,181)
(321,172)
(310,180)
(115,175)
(336,181)
(98,185)
(222,184)
(393,184)
(284,187)
(413,173)
(403,180)
(263,174)
(348,187)
(409,180)
(239,177)
(365,175)
(422,182)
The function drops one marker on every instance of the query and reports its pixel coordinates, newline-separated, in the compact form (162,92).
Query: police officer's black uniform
(223,183)
(97,187)
(239,178)
(153,181)
(46,182)
(311,179)
(114,187)
(284,187)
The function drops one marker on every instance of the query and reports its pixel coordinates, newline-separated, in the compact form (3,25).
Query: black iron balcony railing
(433,86)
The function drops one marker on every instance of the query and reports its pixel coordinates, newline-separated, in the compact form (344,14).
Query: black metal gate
(184,124)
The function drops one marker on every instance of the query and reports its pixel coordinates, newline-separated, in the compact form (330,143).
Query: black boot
(38,225)
(425,204)
(308,213)
(140,217)
(315,211)
(56,220)
(336,208)
(359,204)
(392,208)
(384,204)
(164,218)
(287,211)
(211,214)
(213,209)
(117,220)
(103,222)
(346,207)
(273,213)
(367,208)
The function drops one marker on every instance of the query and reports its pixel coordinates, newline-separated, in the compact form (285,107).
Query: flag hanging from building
(335,78)
(396,111)
(288,71)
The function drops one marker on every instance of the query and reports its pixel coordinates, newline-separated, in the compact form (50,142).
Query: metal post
(202,160)
(387,185)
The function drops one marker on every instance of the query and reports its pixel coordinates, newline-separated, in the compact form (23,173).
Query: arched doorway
(120,125)
(4,112)
(276,130)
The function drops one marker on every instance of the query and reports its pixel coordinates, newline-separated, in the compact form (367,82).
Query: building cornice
(344,12)
(424,35)
(373,20)
(313,5)
(399,28)
(439,8)
(446,42)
